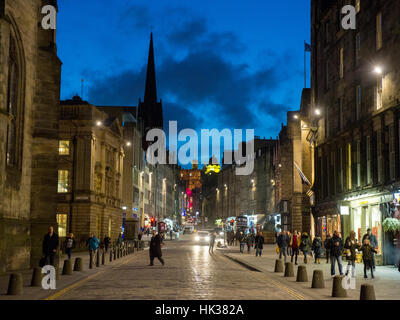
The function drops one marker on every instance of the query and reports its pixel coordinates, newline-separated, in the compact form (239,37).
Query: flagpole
(305,69)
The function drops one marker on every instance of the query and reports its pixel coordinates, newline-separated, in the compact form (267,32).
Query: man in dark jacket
(107,241)
(50,245)
(373,243)
(327,245)
(259,244)
(282,244)
(155,249)
(336,253)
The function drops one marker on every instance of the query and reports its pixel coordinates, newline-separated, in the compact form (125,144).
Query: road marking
(292,292)
(79,283)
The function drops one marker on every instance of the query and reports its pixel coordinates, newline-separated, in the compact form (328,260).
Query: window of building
(326,75)
(13,136)
(109,226)
(327,32)
(348,173)
(358,46)
(341,168)
(62,224)
(379,92)
(379,155)
(63,147)
(341,120)
(357,5)
(358,102)
(63,183)
(379,42)
(392,153)
(341,63)
(369,175)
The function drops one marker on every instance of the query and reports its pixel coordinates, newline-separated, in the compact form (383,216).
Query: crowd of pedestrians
(288,244)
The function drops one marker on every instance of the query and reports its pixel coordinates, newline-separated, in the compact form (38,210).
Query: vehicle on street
(188,229)
(202,237)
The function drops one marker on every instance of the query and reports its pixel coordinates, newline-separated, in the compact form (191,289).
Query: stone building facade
(29,105)
(356,83)
(90,172)
(293,157)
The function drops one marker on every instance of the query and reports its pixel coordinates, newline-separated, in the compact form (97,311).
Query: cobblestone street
(190,272)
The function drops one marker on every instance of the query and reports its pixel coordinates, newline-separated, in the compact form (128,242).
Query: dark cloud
(202,88)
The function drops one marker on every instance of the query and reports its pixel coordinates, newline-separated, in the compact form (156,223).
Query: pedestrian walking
(69,244)
(50,246)
(336,253)
(107,241)
(155,249)
(259,243)
(242,241)
(289,249)
(305,244)
(93,244)
(140,236)
(367,252)
(317,248)
(249,242)
(350,246)
(171,233)
(373,243)
(295,243)
(328,245)
(282,244)
(212,242)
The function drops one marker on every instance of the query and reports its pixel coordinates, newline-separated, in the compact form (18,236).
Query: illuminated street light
(317,112)
(378,70)
(99,123)
(296,116)
(128,144)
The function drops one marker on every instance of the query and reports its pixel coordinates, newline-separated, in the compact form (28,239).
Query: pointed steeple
(150,94)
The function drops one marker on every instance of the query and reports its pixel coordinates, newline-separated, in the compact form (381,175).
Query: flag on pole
(304,180)
(307,47)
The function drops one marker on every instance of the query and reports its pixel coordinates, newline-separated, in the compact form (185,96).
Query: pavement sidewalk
(386,282)
(37,293)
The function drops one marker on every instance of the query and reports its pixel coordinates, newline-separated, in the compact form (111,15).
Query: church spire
(150,94)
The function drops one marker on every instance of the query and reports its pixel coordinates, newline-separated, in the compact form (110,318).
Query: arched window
(12,105)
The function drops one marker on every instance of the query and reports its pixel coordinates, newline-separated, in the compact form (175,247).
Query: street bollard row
(15,285)
(367,291)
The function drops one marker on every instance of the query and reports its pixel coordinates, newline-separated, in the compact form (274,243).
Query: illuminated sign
(213,168)
(344,210)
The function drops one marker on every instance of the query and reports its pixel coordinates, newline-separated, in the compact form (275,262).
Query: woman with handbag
(350,246)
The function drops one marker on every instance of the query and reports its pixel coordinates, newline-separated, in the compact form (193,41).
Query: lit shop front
(327,219)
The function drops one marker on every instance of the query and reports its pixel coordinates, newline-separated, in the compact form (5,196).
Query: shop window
(62,224)
(63,147)
(63,183)
(376,226)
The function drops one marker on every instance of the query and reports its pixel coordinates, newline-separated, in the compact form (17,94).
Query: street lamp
(128,144)
(317,112)
(378,70)
(99,123)
(296,116)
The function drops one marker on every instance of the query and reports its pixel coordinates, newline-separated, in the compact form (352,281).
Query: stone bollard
(37,277)
(302,274)
(15,284)
(115,253)
(337,289)
(91,259)
(111,255)
(289,269)
(98,258)
(78,266)
(103,258)
(278,266)
(67,268)
(367,292)
(318,280)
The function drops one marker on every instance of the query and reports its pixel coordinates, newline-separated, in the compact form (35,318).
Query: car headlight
(197,238)
(207,238)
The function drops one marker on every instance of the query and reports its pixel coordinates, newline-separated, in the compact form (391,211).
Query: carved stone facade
(29,96)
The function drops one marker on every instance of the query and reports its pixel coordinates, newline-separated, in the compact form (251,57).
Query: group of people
(248,240)
(290,244)
(50,245)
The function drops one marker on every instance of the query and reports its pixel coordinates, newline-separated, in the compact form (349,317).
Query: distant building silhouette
(150,111)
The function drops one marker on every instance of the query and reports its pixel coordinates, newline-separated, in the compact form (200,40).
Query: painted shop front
(359,213)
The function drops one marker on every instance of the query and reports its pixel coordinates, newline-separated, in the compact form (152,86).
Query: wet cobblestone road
(190,273)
